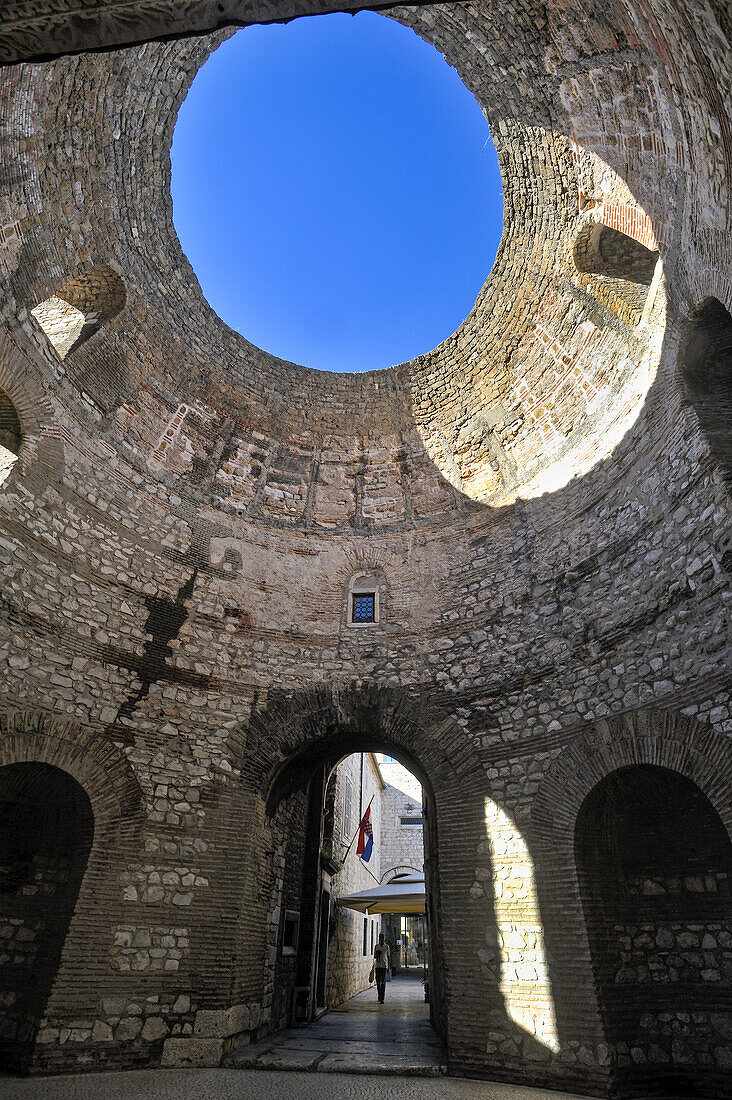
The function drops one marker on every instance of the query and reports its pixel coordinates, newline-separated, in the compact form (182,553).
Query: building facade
(402,845)
(357,785)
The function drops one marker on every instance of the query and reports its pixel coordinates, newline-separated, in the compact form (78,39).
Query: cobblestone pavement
(360,1036)
(234,1084)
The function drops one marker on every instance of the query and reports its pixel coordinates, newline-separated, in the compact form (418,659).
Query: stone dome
(540,383)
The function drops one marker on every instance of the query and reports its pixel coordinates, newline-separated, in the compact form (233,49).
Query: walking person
(382,962)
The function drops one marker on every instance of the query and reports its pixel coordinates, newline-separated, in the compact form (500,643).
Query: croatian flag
(365,845)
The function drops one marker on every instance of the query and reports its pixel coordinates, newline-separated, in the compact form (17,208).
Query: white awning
(404,894)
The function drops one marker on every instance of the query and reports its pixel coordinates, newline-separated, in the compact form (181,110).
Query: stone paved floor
(235,1084)
(360,1036)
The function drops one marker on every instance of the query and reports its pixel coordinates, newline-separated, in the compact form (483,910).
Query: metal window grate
(364,607)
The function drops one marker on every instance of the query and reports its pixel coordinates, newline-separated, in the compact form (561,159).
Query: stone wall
(403,845)
(545,511)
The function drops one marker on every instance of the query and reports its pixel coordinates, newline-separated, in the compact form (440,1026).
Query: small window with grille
(363,607)
(362,600)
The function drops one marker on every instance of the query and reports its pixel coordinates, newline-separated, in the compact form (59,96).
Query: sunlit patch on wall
(524,976)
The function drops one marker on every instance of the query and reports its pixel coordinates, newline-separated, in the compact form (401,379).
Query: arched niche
(654,864)
(81,307)
(602,250)
(11,435)
(705,359)
(46,833)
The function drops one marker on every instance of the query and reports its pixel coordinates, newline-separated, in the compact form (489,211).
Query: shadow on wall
(11,435)
(512,997)
(524,983)
(528,413)
(570,387)
(654,863)
(629,834)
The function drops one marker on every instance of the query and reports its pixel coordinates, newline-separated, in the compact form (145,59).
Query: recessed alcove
(80,308)
(46,833)
(542,527)
(706,369)
(602,250)
(538,384)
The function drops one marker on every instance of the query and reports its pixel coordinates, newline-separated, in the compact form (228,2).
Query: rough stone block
(196,1052)
(220,1023)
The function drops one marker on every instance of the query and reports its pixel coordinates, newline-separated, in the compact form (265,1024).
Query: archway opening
(46,833)
(655,865)
(706,368)
(360,860)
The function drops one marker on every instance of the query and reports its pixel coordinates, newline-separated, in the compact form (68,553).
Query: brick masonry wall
(186,512)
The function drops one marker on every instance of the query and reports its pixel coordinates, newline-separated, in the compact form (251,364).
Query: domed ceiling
(539,384)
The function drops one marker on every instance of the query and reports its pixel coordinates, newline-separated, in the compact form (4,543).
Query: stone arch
(400,869)
(40,455)
(705,362)
(80,307)
(654,862)
(601,250)
(11,435)
(103,777)
(297,732)
(669,740)
(94,762)
(300,736)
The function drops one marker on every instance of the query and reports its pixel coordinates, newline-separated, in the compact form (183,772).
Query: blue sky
(336,191)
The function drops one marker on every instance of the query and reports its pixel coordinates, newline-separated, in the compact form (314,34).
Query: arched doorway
(655,866)
(298,739)
(46,832)
(319,806)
